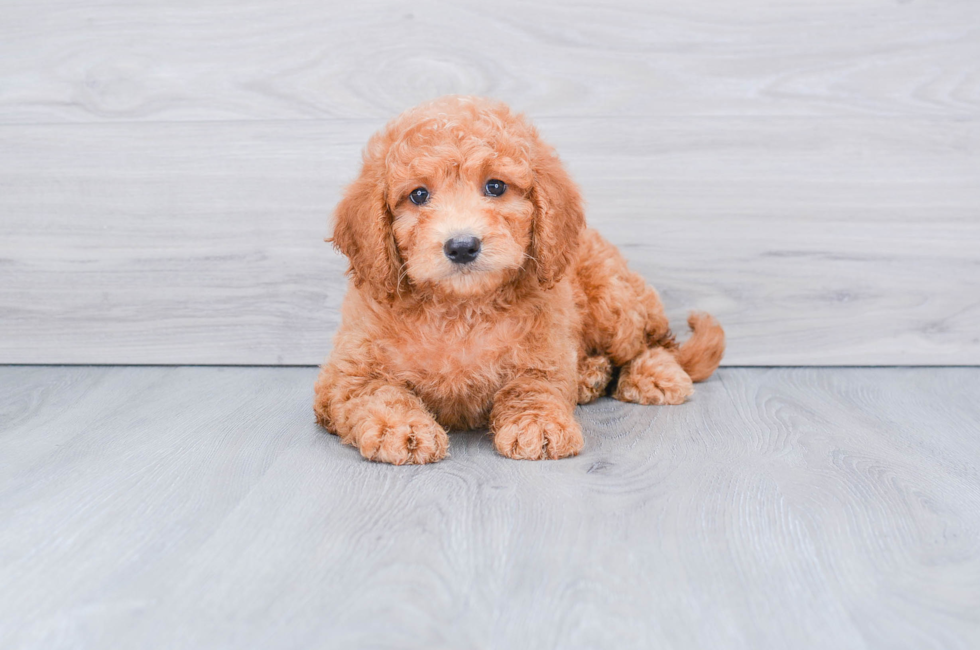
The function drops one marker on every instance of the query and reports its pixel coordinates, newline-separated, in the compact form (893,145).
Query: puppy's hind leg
(653,377)
(594,373)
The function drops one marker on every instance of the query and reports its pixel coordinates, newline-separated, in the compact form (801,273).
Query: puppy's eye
(419,196)
(494,187)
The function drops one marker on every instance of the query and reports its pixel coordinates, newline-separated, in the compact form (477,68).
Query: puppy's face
(462,215)
(457,197)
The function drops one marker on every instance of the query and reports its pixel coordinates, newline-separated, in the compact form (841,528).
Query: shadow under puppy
(479,298)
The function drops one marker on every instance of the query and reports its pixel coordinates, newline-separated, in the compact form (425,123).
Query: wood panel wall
(808,171)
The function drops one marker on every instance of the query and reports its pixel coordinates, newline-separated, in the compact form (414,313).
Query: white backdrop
(807,171)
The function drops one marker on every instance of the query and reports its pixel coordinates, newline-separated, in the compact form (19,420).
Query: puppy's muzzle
(462,250)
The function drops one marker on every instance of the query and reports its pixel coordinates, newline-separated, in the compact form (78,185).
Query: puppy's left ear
(362,232)
(558,216)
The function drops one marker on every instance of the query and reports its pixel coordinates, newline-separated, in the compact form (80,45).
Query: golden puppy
(479,298)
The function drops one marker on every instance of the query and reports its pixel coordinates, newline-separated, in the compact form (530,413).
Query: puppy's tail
(700,355)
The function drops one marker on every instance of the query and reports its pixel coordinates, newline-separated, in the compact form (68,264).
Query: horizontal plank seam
(305,365)
(965,118)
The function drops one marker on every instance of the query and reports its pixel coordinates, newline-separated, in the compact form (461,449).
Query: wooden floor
(201,507)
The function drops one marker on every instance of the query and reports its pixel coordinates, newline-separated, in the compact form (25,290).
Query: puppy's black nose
(462,250)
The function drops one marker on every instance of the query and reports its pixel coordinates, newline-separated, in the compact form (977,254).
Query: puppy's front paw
(401,436)
(543,433)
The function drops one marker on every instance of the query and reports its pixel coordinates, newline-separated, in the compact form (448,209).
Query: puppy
(479,298)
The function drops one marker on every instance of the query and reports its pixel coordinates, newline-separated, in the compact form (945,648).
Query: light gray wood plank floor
(202,507)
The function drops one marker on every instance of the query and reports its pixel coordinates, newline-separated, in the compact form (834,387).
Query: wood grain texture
(68,61)
(840,242)
(202,507)
(808,171)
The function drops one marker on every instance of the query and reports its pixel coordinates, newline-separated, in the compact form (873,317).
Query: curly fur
(541,321)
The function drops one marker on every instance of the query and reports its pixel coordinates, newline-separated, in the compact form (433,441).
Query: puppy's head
(458,197)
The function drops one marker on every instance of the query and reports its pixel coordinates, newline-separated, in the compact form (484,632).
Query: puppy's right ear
(362,232)
(558,215)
